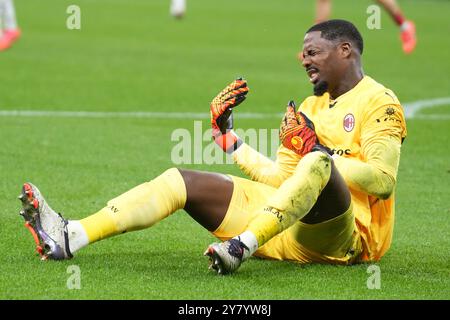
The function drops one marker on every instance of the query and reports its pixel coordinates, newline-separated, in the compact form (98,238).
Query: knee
(186,174)
(173,171)
(173,174)
(318,164)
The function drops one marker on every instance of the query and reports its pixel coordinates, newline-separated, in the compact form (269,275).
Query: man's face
(321,61)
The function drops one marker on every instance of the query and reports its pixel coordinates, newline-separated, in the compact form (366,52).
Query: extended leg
(204,195)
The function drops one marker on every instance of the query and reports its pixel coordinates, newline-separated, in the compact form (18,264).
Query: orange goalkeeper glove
(222,117)
(297,131)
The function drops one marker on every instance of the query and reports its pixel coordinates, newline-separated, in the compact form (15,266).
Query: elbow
(385,188)
(385,194)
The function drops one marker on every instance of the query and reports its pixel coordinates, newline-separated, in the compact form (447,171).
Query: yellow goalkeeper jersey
(350,125)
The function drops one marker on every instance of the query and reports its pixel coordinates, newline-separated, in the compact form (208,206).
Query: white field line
(411,112)
(143,114)
(412,108)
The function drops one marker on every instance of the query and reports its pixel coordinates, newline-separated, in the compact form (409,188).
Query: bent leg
(332,241)
(294,199)
(333,201)
(314,193)
(327,229)
(315,184)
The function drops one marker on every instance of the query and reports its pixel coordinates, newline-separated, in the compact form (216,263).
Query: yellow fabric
(301,243)
(367,177)
(139,208)
(294,198)
(99,225)
(261,169)
(365,126)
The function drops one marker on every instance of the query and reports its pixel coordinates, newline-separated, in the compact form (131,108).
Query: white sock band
(249,239)
(78,237)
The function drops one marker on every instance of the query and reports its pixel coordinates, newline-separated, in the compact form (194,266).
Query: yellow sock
(294,199)
(139,208)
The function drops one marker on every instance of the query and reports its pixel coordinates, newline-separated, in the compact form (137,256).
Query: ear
(345,49)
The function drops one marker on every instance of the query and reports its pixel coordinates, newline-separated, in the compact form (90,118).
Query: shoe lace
(236,248)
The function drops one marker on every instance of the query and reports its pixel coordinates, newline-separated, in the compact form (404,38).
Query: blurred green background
(133,56)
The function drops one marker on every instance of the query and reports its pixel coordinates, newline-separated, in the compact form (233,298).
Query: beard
(320,88)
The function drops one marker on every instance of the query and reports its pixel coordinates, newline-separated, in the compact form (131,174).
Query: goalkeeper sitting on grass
(328,197)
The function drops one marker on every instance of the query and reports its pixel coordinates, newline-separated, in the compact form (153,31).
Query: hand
(222,117)
(297,131)
(222,105)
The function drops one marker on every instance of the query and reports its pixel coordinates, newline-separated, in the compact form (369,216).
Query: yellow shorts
(334,241)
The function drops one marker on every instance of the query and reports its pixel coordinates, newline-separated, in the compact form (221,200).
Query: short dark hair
(337,29)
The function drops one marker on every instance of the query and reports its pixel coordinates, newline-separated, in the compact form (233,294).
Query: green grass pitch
(132,56)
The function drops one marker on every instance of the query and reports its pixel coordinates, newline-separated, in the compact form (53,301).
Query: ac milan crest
(349,122)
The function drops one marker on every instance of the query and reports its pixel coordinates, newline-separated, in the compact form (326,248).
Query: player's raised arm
(222,118)
(252,163)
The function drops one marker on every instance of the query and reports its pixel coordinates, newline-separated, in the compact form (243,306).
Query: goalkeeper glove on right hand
(297,131)
(221,115)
